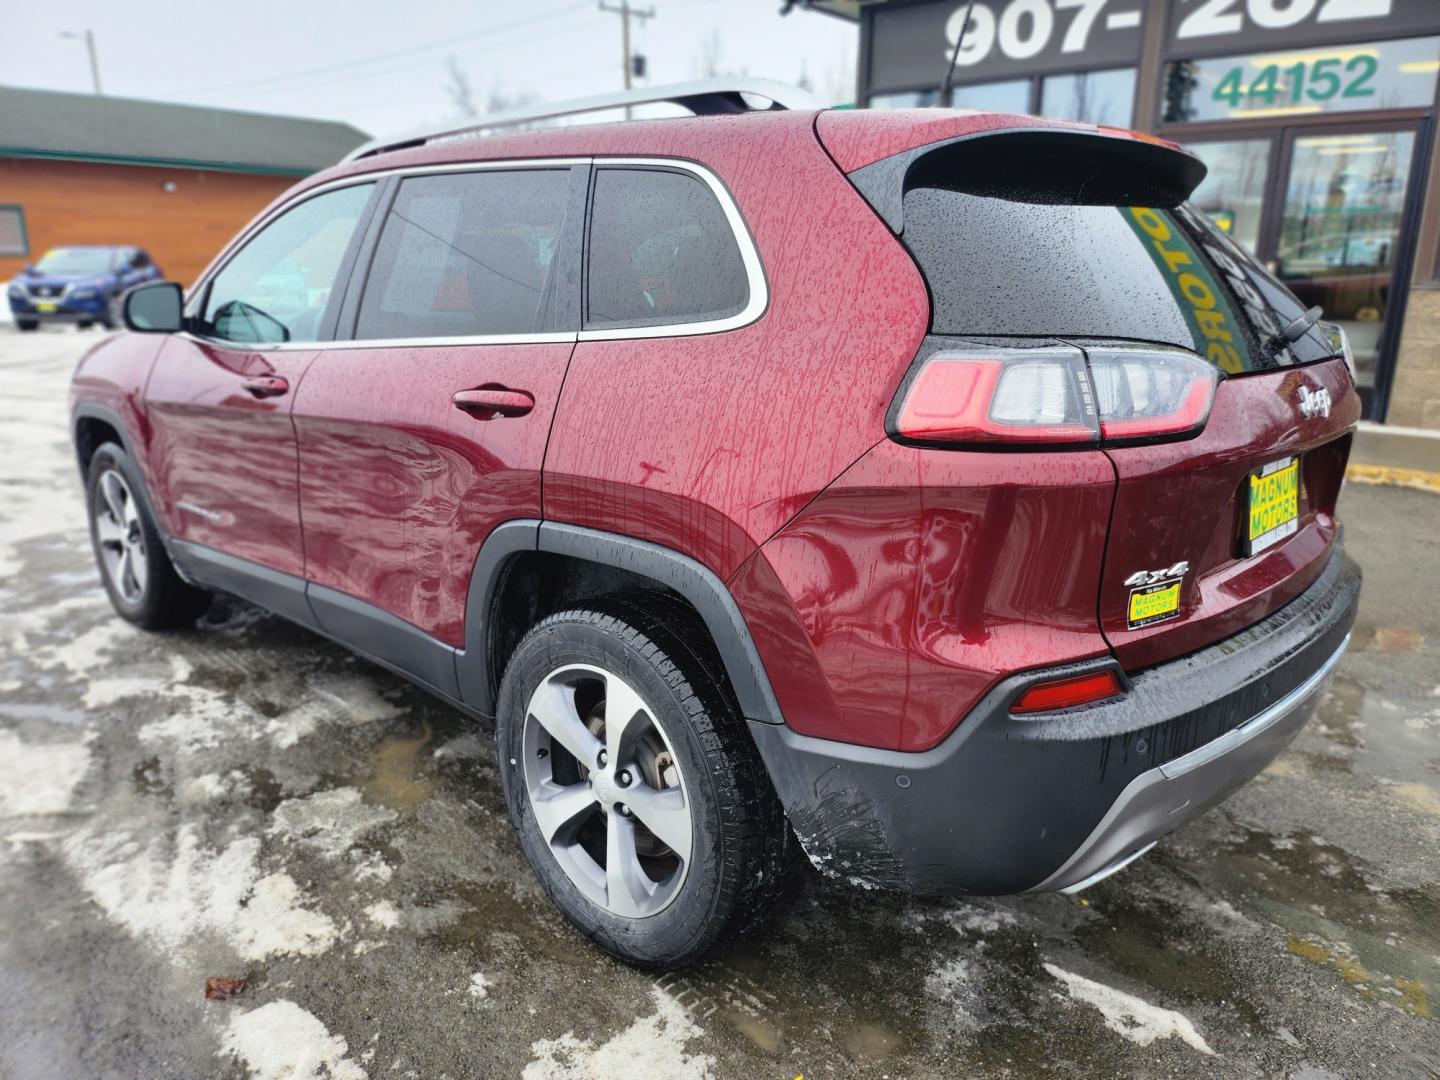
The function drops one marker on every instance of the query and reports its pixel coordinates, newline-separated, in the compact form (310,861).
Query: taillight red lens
(1069,692)
(1056,396)
(1015,396)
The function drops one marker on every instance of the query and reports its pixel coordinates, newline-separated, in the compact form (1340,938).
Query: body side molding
(273,590)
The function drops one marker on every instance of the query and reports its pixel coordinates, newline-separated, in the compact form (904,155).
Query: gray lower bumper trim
(1163,798)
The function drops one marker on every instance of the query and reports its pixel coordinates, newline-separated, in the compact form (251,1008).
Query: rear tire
(685,752)
(135,568)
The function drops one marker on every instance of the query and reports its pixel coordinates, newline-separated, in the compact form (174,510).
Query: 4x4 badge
(1153,577)
(1314,403)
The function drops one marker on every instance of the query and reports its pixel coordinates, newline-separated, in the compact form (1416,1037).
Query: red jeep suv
(936,489)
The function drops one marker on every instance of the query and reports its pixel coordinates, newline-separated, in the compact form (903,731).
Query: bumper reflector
(1069,692)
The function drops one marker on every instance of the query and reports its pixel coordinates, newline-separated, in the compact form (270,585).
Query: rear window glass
(1001,267)
(465,255)
(661,251)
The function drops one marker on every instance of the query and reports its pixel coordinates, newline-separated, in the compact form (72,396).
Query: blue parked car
(81,285)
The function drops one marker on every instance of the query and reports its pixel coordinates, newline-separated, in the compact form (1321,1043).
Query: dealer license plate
(1272,505)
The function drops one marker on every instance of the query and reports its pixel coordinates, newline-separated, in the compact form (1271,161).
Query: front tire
(27,325)
(638,796)
(142,583)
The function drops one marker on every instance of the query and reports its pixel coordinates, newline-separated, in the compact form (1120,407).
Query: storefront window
(908,99)
(1013,96)
(1339,228)
(1094,97)
(1234,188)
(1342,78)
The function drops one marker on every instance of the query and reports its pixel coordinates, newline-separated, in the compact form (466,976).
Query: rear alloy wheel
(637,793)
(134,566)
(605,791)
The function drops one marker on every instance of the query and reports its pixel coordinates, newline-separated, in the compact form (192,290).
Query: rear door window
(998,266)
(466,255)
(661,251)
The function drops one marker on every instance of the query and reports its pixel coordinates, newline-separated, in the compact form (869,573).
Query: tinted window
(276,287)
(1001,267)
(465,255)
(661,251)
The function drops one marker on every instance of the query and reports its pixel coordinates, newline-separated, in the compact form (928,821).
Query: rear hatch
(1221,516)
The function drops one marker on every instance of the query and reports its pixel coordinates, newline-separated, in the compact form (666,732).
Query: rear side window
(466,255)
(661,251)
(997,266)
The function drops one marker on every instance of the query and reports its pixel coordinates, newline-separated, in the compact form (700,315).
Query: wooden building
(176,180)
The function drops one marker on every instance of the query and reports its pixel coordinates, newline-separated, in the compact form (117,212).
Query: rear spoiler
(1040,165)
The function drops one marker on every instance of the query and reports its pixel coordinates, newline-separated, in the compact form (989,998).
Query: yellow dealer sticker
(1153,603)
(1272,504)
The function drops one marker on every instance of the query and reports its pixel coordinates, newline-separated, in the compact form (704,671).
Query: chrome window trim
(759,293)
(755,306)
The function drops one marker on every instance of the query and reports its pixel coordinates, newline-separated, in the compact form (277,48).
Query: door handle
(488,402)
(263,386)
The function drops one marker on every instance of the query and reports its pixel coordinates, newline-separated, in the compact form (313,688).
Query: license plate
(46,309)
(1272,505)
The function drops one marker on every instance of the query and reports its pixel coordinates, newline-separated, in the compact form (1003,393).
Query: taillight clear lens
(1011,396)
(1147,394)
(1055,396)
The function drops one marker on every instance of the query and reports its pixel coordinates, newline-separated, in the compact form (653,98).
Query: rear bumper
(1054,802)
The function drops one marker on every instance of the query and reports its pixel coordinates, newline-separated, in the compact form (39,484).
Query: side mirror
(155,308)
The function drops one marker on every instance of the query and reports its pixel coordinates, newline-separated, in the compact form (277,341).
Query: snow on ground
(1127,1015)
(658,1041)
(281,1041)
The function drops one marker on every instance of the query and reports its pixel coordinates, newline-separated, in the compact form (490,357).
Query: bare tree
(709,59)
(459,89)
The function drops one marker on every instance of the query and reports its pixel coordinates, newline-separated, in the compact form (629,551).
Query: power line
(365,61)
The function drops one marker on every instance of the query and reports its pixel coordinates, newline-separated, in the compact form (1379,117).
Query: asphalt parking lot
(246,800)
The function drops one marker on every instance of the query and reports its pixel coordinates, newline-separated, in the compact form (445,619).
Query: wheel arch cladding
(628,562)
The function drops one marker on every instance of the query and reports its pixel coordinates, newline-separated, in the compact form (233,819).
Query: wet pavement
(246,800)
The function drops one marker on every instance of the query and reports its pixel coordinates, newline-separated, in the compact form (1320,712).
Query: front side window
(466,255)
(661,251)
(275,289)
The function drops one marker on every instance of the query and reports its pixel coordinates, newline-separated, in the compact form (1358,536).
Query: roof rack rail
(707,97)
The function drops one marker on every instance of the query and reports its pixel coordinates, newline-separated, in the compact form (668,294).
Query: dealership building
(1316,119)
(176,180)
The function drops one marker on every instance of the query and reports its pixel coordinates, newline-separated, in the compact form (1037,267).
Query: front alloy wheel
(120,537)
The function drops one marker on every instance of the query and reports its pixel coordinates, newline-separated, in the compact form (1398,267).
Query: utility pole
(626,13)
(89,39)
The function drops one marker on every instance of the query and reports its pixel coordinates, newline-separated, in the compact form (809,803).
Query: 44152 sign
(1317,80)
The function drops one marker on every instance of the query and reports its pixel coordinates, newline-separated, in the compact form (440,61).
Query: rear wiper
(1297,329)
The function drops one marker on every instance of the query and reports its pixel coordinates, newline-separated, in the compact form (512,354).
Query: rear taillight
(1069,692)
(1054,396)
(1147,394)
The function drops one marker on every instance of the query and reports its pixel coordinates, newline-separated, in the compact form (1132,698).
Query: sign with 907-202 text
(1213,27)
(911,45)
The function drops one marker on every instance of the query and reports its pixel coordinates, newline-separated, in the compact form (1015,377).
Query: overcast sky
(382,66)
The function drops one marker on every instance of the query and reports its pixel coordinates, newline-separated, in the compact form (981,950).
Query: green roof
(87,127)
